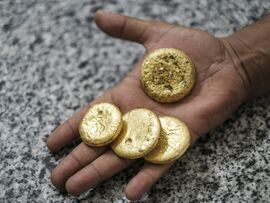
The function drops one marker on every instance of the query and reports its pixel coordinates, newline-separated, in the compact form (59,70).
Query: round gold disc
(173,142)
(101,124)
(139,135)
(167,75)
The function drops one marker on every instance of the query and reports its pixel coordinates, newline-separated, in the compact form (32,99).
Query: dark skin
(220,87)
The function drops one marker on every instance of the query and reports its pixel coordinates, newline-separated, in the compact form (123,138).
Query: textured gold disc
(167,75)
(139,135)
(101,124)
(173,142)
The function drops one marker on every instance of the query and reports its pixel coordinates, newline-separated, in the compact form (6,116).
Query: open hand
(219,89)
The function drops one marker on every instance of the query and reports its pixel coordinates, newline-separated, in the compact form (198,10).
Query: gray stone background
(53,59)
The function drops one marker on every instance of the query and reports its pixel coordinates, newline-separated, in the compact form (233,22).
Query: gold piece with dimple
(101,124)
(173,142)
(140,134)
(167,75)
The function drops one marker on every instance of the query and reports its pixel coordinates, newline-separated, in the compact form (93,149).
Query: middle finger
(76,160)
(97,171)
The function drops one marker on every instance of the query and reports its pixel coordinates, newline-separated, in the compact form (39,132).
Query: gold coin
(173,142)
(167,75)
(140,133)
(101,124)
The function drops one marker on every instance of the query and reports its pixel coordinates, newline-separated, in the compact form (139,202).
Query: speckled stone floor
(53,59)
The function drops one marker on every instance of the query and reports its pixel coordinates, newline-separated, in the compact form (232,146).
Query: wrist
(249,52)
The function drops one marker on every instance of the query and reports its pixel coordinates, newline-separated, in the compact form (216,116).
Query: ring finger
(102,168)
(75,161)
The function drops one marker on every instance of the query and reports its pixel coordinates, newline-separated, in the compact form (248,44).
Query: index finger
(69,130)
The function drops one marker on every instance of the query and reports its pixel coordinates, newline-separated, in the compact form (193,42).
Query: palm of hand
(210,102)
(213,96)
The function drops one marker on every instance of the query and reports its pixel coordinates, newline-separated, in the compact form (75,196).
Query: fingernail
(86,194)
(54,129)
(107,11)
(144,197)
(124,197)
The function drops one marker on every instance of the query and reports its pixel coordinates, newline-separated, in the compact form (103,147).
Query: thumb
(124,27)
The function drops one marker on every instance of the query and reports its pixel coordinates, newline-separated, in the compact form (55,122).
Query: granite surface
(53,59)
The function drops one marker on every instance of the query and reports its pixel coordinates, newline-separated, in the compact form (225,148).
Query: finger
(66,132)
(99,170)
(69,130)
(124,27)
(76,160)
(143,181)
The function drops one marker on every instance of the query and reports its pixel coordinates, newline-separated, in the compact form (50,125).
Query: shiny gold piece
(140,134)
(167,75)
(173,142)
(101,124)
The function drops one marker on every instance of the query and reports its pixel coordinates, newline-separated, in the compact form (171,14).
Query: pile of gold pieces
(138,133)
(167,75)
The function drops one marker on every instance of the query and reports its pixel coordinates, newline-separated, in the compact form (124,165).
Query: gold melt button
(173,142)
(167,75)
(139,135)
(101,124)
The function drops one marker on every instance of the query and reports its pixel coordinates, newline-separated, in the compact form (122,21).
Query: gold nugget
(101,124)
(140,133)
(173,142)
(167,75)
